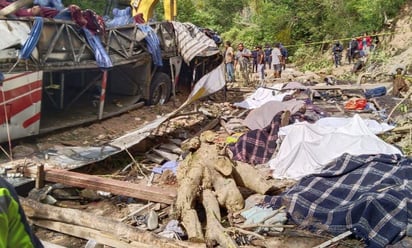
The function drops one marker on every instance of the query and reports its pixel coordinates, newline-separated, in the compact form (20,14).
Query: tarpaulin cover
(191,41)
(367,194)
(33,38)
(102,58)
(307,148)
(153,43)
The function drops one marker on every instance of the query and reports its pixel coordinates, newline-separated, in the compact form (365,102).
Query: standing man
(284,52)
(254,60)
(268,57)
(276,60)
(14,229)
(242,57)
(337,53)
(229,59)
(261,65)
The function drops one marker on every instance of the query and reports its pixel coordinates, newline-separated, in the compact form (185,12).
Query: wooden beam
(88,233)
(91,226)
(140,191)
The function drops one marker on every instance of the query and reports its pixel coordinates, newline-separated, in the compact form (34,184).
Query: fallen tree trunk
(36,211)
(227,192)
(247,176)
(189,176)
(214,230)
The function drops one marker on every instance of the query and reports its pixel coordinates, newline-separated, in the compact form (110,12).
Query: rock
(89,194)
(152,221)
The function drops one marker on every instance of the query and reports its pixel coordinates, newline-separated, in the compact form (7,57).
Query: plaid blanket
(257,146)
(369,195)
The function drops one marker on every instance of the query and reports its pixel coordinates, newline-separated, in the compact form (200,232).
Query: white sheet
(307,148)
(335,122)
(262,96)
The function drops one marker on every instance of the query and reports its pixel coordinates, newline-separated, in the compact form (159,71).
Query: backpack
(284,51)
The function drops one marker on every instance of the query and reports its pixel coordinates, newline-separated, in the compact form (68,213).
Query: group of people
(254,61)
(357,51)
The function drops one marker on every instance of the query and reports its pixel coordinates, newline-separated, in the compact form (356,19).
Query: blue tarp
(153,44)
(33,38)
(102,58)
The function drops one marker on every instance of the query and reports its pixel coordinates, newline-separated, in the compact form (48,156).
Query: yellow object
(233,139)
(146,7)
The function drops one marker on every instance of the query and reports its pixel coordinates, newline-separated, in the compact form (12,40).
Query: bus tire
(160,89)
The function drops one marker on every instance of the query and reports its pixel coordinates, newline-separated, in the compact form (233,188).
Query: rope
(7,125)
(340,39)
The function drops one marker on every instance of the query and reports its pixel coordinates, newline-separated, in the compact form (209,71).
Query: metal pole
(62,91)
(102,94)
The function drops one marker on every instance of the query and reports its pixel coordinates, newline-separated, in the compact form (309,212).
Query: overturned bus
(55,74)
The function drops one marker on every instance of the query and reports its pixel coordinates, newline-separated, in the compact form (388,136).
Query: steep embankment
(398,45)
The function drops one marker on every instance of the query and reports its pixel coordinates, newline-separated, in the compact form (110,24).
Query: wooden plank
(171,147)
(167,155)
(101,224)
(50,245)
(88,233)
(140,191)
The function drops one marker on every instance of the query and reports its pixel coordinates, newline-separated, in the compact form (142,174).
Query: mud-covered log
(193,227)
(214,230)
(247,176)
(36,210)
(227,192)
(189,177)
(224,165)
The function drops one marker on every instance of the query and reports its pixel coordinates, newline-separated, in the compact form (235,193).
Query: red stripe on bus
(35,118)
(9,94)
(18,105)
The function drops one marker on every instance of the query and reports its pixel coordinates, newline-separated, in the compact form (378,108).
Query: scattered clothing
(120,17)
(368,195)
(169,165)
(257,146)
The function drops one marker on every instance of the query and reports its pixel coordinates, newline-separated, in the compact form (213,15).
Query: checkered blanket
(369,195)
(257,146)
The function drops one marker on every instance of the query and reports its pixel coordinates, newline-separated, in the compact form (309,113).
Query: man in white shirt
(276,59)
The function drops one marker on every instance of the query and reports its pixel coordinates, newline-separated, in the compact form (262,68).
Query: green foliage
(288,21)
(308,58)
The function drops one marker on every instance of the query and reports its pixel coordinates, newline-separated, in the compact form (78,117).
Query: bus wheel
(160,89)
